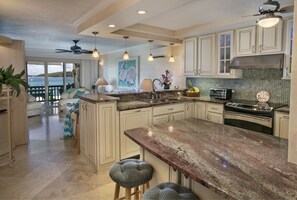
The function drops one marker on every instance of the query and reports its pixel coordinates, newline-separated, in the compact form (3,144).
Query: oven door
(250,122)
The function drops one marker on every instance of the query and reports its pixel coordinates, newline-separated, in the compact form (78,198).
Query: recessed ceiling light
(111,25)
(141,12)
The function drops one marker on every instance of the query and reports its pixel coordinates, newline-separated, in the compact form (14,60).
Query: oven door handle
(265,121)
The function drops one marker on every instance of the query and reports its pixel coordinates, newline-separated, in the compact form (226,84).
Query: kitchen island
(232,162)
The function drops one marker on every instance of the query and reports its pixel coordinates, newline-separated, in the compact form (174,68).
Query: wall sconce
(171,59)
(150,57)
(126,55)
(95,53)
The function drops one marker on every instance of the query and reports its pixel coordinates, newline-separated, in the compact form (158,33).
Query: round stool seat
(168,191)
(131,173)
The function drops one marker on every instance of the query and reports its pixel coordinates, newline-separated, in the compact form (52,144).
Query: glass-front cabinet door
(225,52)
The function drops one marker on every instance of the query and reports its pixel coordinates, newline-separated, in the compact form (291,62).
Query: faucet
(154,93)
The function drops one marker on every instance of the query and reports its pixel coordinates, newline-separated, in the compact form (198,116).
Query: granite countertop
(235,163)
(137,104)
(285,109)
(127,92)
(94,98)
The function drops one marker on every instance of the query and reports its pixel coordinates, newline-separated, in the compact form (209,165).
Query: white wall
(147,69)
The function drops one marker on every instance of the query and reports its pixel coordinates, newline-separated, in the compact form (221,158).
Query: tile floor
(50,168)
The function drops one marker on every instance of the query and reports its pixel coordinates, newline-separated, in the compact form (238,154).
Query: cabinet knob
(170,108)
(138,110)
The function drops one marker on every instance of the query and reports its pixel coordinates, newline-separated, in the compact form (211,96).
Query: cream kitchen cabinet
(98,134)
(258,40)
(167,113)
(189,109)
(289,49)
(190,56)
(281,125)
(128,120)
(215,113)
(200,110)
(163,172)
(207,55)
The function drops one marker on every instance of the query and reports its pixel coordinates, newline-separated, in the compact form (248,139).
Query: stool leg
(116,192)
(136,191)
(128,194)
(147,185)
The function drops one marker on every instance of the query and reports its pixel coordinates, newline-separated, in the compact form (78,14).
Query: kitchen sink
(162,100)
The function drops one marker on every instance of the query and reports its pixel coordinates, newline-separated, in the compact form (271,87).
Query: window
(225,44)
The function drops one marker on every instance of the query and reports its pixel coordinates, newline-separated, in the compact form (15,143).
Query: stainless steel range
(251,115)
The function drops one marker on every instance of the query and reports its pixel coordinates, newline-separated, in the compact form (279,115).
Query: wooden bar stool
(130,173)
(169,191)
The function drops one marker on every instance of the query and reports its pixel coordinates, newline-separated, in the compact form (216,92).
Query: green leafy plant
(14,81)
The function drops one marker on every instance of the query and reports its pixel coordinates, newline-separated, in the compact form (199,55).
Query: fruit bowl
(192,94)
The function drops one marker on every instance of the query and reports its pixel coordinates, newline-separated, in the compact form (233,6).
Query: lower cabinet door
(215,117)
(200,110)
(91,132)
(128,120)
(177,116)
(161,119)
(189,110)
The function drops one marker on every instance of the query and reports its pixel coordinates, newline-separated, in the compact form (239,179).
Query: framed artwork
(128,73)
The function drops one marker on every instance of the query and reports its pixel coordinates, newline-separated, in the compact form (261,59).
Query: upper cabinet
(206,55)
(246,41)
(250,41)
(288,52)
(190,56)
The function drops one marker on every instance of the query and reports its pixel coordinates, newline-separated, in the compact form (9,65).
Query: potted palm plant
(11,80)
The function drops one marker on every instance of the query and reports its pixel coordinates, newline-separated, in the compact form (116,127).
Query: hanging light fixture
(126,55)
(171,59)
(269,20)
(150,57)
(95,53)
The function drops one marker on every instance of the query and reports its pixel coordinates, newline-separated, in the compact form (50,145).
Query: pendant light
(150,57)
(126,55)
(171,59)
(95,53)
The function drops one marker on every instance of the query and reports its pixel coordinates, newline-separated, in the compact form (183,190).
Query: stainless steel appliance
(251,115)
(220,93)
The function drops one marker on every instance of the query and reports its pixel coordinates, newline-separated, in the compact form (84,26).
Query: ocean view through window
(47,81)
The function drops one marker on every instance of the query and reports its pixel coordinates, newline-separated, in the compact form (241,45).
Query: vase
(166,86)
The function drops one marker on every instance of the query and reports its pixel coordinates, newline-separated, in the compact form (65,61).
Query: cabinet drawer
(215,108)
(161,110)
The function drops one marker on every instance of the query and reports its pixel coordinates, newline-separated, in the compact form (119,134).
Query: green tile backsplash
(252,81)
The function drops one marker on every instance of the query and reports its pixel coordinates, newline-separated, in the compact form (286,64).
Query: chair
(130,173)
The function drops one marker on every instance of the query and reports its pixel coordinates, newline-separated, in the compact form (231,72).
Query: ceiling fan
(74,49)
(268,10)
(273,7)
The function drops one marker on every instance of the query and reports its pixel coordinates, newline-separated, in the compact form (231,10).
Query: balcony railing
(54,92)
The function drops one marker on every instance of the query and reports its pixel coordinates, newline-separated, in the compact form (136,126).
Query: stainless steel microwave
(220,93)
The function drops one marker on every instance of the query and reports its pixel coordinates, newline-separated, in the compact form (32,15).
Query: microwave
(220,93)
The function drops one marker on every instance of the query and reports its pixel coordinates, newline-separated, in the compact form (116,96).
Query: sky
(35,69)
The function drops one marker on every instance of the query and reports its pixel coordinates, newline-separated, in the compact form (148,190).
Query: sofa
(34,108)
(70,96)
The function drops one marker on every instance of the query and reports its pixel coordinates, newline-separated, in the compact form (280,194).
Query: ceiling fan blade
(63,50)
(287,9)
(253,15)
(86,51)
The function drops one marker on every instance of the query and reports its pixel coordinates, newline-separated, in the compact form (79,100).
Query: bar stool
(169,191)
(130,173)
(75,130)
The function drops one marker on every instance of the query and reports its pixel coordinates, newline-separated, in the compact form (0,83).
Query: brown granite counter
(95,98)
(285,109)
(235,163)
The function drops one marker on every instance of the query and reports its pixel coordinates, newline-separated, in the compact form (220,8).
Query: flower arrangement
(166,78)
